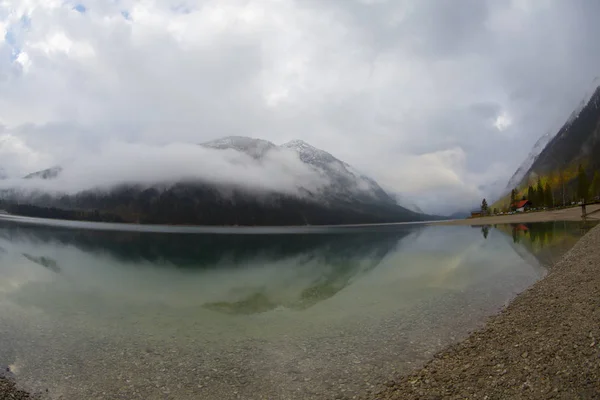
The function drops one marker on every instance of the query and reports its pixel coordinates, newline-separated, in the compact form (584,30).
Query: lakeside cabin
(476,214)
(522,205)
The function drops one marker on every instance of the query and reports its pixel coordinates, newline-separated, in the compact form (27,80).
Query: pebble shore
(9,391)
(544,345)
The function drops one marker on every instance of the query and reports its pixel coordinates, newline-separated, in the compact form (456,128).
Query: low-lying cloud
(279,170)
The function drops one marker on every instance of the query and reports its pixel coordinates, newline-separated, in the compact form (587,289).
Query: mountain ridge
(576,143)
(348,197)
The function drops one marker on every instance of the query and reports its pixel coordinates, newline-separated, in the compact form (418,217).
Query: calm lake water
(322,313)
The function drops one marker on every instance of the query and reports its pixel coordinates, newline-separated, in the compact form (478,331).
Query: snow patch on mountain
(584,101)
(256,165)
(520,173)
(346,182)
(591,99)
(256,148)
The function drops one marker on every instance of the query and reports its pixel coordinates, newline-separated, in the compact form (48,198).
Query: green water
(290,313)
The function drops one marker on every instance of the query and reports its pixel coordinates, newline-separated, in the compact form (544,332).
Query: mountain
(578,141)
(555,159)
(345,197)
(405,202)
(525,167)
(49,173)
(461,214)
(256,148)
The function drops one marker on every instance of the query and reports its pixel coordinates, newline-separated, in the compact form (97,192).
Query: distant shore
(545,344)
(565,214)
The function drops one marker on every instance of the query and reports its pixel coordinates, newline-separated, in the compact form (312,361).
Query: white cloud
(503,122)
(383,85)
(17,157)
(124,163)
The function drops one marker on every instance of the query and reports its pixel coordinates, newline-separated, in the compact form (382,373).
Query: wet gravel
(8,387)
(342,363)
(544,345)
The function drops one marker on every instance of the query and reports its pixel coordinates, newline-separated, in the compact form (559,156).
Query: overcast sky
(437,100)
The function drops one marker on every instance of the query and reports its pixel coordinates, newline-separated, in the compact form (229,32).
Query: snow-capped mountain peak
(256,148)
(309,154)
(346,182)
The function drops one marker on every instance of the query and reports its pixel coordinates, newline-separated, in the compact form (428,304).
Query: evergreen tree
(484,206)
(563,193)
(539,191)
(485,230)
(548,197)
(531,194)
(595,188)
(583,186)
(513,198)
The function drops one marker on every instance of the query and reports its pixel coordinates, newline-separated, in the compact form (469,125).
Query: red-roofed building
(522,205)
(521,227)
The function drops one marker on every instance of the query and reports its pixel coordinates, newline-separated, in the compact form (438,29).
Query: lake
(289,313)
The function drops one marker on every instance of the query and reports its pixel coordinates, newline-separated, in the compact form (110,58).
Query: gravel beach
(8,390)
(544,345)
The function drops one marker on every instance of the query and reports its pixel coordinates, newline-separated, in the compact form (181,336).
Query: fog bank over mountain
(234,180)
(280,170)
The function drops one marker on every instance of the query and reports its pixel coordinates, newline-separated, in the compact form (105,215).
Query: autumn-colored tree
(539,191)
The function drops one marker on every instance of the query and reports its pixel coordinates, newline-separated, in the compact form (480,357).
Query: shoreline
(196,229)
(565,214)
(544,344)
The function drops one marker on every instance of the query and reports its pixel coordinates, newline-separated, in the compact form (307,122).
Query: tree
(513,197)
(484,206)
(531,194)
(562,184)
(539,191)
(549,198)
(495,211)
(595,188)
(583,186)
(485,230)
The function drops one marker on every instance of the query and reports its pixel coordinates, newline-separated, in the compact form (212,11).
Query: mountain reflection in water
(303,269)
(225,316)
